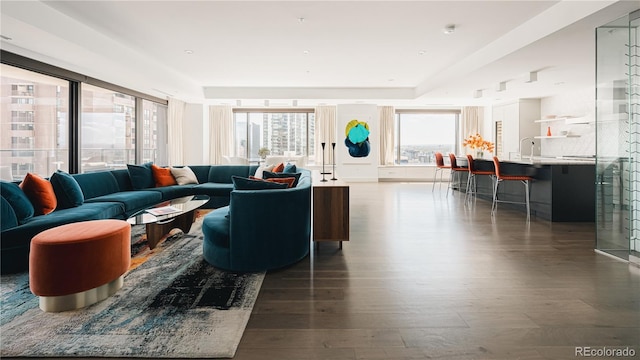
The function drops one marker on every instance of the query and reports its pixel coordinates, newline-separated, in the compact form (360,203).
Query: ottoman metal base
(81,299)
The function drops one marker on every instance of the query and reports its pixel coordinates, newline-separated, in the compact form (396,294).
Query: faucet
(532,145)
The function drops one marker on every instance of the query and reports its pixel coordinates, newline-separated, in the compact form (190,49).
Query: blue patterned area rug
(174,305)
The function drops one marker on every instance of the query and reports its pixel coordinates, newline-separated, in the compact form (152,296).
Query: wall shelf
(556,136)
(567,120)
(550,120)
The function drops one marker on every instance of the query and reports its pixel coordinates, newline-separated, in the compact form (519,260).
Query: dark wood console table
(330,211)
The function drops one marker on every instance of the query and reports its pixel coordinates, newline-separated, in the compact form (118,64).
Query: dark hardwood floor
(426,277)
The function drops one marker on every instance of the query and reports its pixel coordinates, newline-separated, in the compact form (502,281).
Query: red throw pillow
(162,176)
(278,168)
(40,193)
(289,181)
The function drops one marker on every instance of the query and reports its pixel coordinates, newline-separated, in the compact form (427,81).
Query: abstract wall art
(357,138)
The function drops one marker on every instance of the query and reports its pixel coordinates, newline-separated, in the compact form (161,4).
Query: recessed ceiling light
(559,83)
(392,79)
(301,20)
(306,52)
(188,52)
(421,52)
(449,29)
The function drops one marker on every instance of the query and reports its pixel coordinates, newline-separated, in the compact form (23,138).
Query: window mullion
(75,99)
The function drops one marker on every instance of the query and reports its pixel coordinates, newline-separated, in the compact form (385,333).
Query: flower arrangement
(477,142)
(263,152)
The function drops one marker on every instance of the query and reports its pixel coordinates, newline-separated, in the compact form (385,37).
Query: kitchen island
(563,189)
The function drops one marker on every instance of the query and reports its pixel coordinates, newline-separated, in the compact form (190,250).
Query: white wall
(577,103)
(193,134)
(349,168)
(487,127)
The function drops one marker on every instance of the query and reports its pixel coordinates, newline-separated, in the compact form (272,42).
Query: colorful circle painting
(357,138)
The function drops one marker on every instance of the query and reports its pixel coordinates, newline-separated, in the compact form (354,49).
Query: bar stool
(471,180)
(440,167)
(499,177)
(455,169)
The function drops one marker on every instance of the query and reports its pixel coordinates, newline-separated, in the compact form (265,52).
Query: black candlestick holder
(323,173)
(333,156)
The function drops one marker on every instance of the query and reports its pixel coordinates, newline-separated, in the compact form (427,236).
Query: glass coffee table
(173,214)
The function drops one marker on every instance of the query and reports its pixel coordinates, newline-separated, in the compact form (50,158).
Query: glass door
(612,139)
(633,69)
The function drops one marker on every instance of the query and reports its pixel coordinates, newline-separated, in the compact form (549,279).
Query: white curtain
(175,122)
(325,131)
(387,134)
(221,134)
(472,118)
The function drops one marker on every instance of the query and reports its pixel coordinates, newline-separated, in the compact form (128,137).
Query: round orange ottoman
(79,264)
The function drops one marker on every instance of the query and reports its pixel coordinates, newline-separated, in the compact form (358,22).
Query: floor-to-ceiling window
(283,132)
(154,132)
(46,124)
(34,123)
(108,136)
(420,134)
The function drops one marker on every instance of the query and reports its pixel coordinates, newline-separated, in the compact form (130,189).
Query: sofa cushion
(215,226)
(67,190)
(213,189)
(18,236)
(18,200)
(201,171)
(240,183)
(270,175)
(175,191)
(122,179)
(8,218)
(141,176)
(133,201)
(184,175)
(40,193)
(97,184)
(162,176)
(290,168)
(223,173)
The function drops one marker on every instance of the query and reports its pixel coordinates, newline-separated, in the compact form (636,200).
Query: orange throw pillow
(278,168)
(289,181)
(40,193)
(162,176)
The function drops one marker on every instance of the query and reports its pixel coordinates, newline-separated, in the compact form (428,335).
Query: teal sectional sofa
(105,195)
(260,230)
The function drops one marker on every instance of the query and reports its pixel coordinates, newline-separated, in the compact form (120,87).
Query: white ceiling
(357,50)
